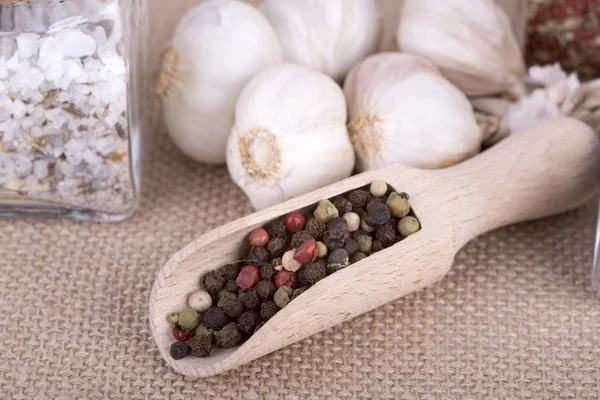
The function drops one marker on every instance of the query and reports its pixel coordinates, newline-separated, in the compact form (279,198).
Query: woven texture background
(514,319)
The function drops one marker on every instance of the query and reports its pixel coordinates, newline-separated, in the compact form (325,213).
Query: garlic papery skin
(472,42)
(401,109)
(327,36)
(289,135)
(216,49)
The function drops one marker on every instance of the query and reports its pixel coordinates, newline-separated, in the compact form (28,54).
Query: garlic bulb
(403,110)
(327,36)
(289,135)
(217,48)
(472,42)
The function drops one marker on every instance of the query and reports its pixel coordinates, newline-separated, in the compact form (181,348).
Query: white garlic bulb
(289,135)
(403,110)
(217,48)
(472,42)
(327,36)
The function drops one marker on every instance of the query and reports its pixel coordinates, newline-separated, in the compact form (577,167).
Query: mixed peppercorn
(286,259)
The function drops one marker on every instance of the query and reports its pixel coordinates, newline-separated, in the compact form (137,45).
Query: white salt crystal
(51,53)
(99,35)
(105,145)
(113,61)
(66,168)
(55,71)
(117,88)
(34,78)
(14,184)
(3,71)
(83,89)
(31,181)
(27,44)
(73,69)
(62,83)
(75,43)
(37,97)
(13,63)
(16,83)
(40,168)
(18,109)
(23,165)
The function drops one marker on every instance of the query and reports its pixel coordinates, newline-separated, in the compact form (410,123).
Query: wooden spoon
(549,169)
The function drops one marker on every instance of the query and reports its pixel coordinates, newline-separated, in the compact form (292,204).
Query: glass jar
(70,92)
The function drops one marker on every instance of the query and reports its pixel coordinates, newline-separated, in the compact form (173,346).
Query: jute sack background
(514,319)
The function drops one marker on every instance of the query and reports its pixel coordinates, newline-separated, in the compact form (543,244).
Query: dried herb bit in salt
(378,215)
(229,271)
(188,319)
(326,211)
(315,272)
(200,346)
(343,205)
(179,350)
(267,271)
(265,289)
(356,257)
(316,228)
(233,308)
(249,298)
(283,296)
(277,246)
(299,238)
(351,246)
(215,318)
(213,282)
(398,205)
(337,260)
(335,239)
(359,197)
(229,336)
(268,309)
(258,255)
(277,228)
(248,321)
(408,226)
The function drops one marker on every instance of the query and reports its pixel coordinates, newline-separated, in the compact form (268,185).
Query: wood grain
(550,169)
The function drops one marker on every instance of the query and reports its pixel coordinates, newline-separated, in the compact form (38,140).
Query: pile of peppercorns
(286,259)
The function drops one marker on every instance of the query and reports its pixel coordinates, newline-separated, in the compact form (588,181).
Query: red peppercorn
(181,335)
(248,277)
(307,252)
(294,222)
(286,278)
(259,237)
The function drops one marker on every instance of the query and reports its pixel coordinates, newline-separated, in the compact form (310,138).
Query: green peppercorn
(364,243)
(213,282)
(215,318)
(408,225)
(229,271)
(277,246)
(229,336)
(359,197)
(337,260)
(222,293)
(188,319)
(202,330)
(179,350)
(356,257)
(316,228)
(326,211)
(173,318)
(300,238)
(282,296)
(268,309)
(200,346)
(225,297)
(248,321)
(233,308)
(398,205)
(342,204)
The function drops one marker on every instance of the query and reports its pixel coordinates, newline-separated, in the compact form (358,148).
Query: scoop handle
(550,168)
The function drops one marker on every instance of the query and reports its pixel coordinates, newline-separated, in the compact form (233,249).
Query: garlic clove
(216,49)
(289,136)
(402,110)
(472,42)
(326,36)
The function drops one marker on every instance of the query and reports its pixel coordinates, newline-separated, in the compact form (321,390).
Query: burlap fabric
(514,319)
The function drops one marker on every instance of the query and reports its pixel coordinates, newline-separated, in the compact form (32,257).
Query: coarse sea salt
(64,133)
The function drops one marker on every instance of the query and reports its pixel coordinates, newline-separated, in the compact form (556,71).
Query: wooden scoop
(549,169)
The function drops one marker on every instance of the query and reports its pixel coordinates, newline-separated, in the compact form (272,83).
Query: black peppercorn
(233,308)
(248,321)
(260,325)
(301,274)
(299,238)
(359,197)
(378,215)
(316,271)
(386,234)
(268,309)
(231,286)
(258,256)
(179,350)
(337,224)
(277,229)
(342,204)
(276,246)
(267,271)
(356,257)
(299,291)
(265,289)
(373,202)
(213,282)
(335,239)
(215,318)
(351,246)
(377,246)
(200,346)
(229,271)
(249,298)
(337,260)
(316,228)
(229,336)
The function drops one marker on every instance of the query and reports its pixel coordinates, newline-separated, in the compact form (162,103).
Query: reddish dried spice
(181,335)
(294,222)
(286,278)
(248,277)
